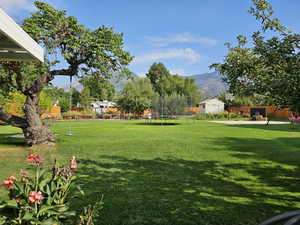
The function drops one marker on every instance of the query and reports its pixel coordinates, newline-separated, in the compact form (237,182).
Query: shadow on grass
(275,161)
(7,139)
(274,127)
(158,123)
(178,192)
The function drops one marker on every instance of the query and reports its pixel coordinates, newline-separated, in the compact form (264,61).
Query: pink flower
(34,159)
(24,174)
(73,163)
(9,182)
(35,197)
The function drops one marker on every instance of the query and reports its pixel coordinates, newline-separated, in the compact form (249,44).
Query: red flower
(9,182)
(24,174)
(73,163)
(35,197)
(34,159)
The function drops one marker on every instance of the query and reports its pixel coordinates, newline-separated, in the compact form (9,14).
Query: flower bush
(219,116)
(41,199)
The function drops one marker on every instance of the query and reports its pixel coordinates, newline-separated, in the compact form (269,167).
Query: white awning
(15,43)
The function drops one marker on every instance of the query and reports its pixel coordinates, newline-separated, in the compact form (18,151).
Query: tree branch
(38,85)
(62,72)
(12,120)
(19,80)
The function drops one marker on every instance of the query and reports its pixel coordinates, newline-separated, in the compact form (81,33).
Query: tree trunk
(36,131)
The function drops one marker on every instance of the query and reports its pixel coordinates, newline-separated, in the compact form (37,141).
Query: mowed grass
(191,173)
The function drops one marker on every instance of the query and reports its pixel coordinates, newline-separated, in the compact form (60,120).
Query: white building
(213,105)
(101,106)
(15,43)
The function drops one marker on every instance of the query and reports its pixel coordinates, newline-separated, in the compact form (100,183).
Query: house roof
(15,43)
(103,104)
(209,100)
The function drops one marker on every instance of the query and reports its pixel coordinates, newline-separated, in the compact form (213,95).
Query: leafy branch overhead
(268,67)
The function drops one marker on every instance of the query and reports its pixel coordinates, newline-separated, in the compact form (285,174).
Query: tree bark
(36,131)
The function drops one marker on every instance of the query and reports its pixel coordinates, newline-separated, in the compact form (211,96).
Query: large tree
(166,84)
(269,66)
(100,89)
(160,79)
(98,52)
(136,96)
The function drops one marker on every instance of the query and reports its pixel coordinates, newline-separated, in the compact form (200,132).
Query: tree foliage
(170,105)
(100,89)
(166,84)
(85,99)
(136,96)
(83,51)
(160,79)
(270,66)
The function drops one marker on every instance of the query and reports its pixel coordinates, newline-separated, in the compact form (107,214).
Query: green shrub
(218,116)
(43,198)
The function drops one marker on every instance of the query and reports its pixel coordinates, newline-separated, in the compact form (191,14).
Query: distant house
(213,105)
(102,106)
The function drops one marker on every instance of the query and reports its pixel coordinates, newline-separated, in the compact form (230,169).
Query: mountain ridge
(210,84)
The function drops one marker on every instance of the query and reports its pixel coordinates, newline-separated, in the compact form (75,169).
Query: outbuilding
(101,107)
(213,105)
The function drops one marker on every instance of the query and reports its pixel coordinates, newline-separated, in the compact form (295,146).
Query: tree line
(159,90)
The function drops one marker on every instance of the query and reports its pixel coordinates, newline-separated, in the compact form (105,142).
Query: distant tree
(185,86)
(166,84)
(136,96)
(160,79)
(100,89)
(82,51)
(59,96)
(268,67)
(76,95)
(13,103)
(85,99)
(170,105)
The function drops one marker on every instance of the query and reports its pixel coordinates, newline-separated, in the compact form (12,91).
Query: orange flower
(73,163)
(34,159)
(35,197)
(9,182)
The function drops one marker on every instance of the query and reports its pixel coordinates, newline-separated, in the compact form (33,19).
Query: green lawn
(191,173)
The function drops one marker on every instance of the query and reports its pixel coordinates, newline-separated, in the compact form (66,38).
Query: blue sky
(187,36)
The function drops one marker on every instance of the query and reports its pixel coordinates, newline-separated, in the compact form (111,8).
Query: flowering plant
(40,199)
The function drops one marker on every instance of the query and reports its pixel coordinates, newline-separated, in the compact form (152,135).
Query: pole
(70,106)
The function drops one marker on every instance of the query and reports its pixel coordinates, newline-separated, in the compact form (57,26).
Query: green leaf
(28,216)
(2,220)
(43,184)
(50,221)
(11,203)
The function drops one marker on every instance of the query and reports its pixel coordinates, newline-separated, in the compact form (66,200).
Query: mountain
(120,82)
(210,84)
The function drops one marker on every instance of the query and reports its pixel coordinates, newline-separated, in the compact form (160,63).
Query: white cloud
(182,38)
(180,53)
(13,6)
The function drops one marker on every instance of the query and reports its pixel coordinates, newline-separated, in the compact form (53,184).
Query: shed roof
(210,100)
(15,43)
